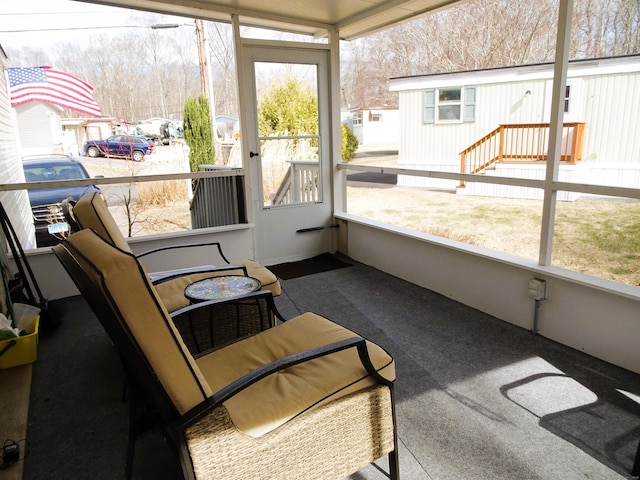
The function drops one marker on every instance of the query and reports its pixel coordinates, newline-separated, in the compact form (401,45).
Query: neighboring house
(506,111)
(39,128)
(228,129)
(76,131)
(374,125)
(16,203)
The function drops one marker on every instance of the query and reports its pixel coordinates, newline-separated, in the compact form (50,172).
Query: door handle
(253,154)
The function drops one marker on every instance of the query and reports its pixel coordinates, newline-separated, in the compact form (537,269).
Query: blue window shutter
(429,111)
(469,114)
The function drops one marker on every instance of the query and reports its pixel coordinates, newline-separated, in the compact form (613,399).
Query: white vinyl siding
(15,203)
(492,105)
(610,111)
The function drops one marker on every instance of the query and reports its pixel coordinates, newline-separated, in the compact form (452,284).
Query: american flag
(46,84)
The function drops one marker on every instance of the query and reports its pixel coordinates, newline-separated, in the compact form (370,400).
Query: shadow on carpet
(309,266)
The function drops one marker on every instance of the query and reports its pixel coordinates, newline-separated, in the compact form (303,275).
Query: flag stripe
(56,100)
(52,91)
(46,84)
(67,81)
(55,89)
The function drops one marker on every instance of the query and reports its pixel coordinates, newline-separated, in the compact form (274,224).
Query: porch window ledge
(184,234)
(152,237)
(564,274)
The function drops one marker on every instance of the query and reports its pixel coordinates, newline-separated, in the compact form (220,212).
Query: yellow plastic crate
(20,350)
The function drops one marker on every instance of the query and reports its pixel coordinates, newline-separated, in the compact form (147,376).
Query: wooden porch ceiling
(351,18)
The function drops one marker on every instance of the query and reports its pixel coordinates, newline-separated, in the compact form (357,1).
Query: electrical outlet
(537,288)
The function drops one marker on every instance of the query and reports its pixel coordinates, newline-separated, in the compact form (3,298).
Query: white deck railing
(300,184)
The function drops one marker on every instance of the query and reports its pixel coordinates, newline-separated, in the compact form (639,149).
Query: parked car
(48,219)
(133,147)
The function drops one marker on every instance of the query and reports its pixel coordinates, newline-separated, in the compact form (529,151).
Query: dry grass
(161,206)
(596,236)
(162,193)
(173,217)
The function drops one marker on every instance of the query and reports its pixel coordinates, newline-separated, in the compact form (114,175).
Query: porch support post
(338,177)
(242,113)
(563,41)
(338,185)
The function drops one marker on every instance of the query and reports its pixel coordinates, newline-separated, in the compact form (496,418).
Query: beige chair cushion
(267,277)
(91,211)
(121,275)
(278,398)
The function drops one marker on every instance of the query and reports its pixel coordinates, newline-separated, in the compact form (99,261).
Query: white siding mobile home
(376,125)
(39,129)
(604,94)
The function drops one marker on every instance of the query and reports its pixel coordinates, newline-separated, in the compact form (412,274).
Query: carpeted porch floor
(476,397)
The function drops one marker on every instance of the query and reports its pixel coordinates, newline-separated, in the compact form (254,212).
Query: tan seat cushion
(276,399)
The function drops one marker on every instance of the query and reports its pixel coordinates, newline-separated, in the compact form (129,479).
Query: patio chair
(91,211)
(306,399)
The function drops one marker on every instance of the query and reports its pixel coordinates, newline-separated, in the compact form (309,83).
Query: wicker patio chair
(91,211)
(306,399)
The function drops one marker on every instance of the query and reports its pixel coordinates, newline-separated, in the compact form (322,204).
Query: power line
(71,28)
(31,14)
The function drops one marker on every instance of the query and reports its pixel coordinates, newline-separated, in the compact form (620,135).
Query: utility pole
(206,81)
(202,58)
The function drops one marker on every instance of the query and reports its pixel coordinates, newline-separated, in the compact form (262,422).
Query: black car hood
(46,196)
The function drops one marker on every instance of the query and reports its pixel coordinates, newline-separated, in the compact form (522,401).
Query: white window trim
(447,103)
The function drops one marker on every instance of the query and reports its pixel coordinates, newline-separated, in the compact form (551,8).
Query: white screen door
(289,150)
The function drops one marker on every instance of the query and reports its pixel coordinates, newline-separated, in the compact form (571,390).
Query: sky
(65,20)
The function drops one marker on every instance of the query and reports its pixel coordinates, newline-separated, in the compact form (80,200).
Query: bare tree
(222,55)
(606,28)
(484,34)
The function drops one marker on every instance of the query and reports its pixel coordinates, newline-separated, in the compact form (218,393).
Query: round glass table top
(223,286)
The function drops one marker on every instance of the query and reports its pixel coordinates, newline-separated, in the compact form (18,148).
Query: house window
(357,119)
(376,117)
(449,105)
(567,95)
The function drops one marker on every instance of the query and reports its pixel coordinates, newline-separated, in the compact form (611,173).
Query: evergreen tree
(288,108)
(349,143)
(198,133)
